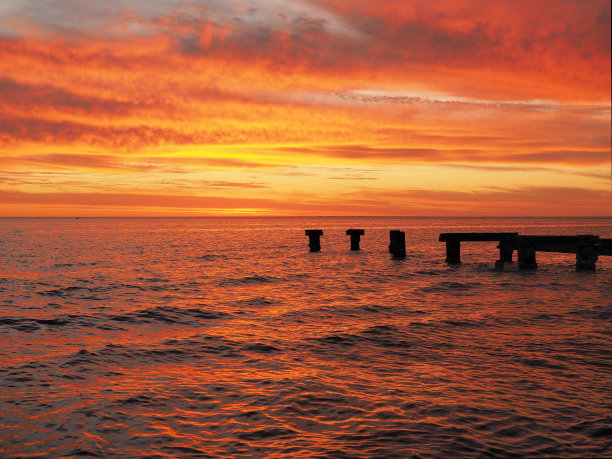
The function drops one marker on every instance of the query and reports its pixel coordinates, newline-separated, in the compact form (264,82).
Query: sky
(305,107)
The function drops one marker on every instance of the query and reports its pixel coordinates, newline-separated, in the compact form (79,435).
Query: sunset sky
(305,107)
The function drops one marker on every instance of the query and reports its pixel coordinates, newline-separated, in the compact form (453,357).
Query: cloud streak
(165,88)
(525,201)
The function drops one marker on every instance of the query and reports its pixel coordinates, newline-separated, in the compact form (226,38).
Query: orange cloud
(494,202)
(195,88)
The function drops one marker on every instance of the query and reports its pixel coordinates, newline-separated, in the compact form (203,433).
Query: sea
(226,337)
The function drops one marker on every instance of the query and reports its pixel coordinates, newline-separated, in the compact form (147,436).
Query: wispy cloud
(205,93)
(526,201)
(442,155)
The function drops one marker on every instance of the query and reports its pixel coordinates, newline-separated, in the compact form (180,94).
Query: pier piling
(453,251)
(397,243)
(526,255)
(314,239)
(506,247)
(355,237)
(586,257)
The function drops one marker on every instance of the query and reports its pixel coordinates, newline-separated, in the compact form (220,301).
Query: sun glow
(293,107)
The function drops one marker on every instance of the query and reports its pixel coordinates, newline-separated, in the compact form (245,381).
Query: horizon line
(313,216)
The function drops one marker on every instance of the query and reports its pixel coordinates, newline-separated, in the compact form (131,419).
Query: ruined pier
(586,247)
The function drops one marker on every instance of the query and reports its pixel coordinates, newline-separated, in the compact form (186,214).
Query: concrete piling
(397,243)
(506,247)
(527,257)
(586,257)
(314,239)
(453,251)
(355,237)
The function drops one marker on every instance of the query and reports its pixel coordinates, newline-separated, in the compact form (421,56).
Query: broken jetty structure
(587,247)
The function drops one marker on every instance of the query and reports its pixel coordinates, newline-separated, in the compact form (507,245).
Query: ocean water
(227,338)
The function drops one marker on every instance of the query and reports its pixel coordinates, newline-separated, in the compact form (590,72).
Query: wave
(169,314)
(256,301)
(158,314)
(256,279)
(450,286)
(211,257)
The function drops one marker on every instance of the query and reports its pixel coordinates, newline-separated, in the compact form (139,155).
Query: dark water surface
(227,338)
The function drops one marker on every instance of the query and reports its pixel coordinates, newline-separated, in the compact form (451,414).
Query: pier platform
(586,247)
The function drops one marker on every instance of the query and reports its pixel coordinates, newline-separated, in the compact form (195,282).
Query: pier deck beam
(355,237)
(604,246)
(314,239)
(397,243)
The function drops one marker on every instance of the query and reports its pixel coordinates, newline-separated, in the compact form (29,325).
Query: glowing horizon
(305,107)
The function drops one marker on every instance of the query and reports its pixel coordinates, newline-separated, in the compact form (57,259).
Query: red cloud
(466,82)
(534,201)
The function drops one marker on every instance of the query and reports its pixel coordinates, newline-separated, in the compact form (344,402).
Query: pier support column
(355,237)
(586,256)
(397,243)
(453,251)
(314,237)
(527,257)
(506,247)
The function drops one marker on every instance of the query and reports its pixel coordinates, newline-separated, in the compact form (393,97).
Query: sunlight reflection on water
(226,337)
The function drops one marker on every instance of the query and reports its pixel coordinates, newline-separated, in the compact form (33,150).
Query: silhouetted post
(314,237)
(527,257)
(453,251)
(397,243)
(506,247)
(355,236)
(586,256)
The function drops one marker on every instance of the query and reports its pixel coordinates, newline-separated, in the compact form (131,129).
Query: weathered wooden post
(526,255)
(397,243)
(355,237)
(586,256)
(314,237)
